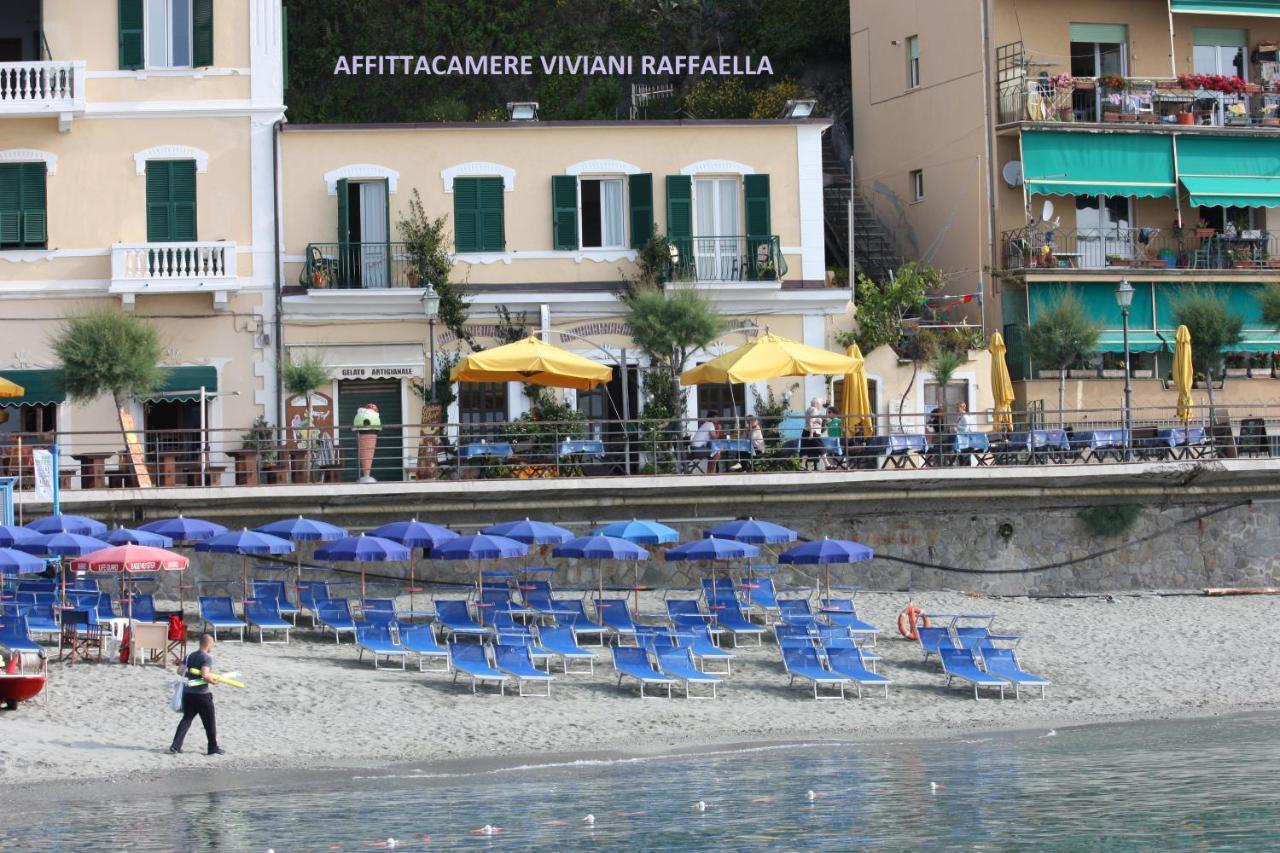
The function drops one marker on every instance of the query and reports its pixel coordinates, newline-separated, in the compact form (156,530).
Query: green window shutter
(466,215)
(1101,33)
(1219,37)
(159,210)
(564,211)
(34,217)
(182,190)
(913,47)
(756,190)
(10,204)
(344,211)
(130,26)
(679,207)
(201,33)
(640,192)
(493,235)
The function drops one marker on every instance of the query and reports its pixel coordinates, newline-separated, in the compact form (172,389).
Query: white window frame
(913,63)
(146,40)
(621,179)
(739,227)
(917,185)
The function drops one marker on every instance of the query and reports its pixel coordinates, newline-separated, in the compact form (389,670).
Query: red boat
(22,676)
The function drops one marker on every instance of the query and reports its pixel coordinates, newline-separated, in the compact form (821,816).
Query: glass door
(374,249)
(1096,51)
(716,228)
(1103,229)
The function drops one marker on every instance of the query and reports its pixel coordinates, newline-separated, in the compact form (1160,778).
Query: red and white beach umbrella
(130,559)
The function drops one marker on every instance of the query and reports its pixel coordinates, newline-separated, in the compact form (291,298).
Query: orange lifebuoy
(908,619)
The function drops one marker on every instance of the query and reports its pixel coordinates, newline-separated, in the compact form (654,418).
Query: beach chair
(421,640)
(706,651)
(934,639)
(685,614)
(801,662)
(540,602)
(1003,663)
(105,612)
(562,643)
(472,660)
(849,663)
(796,611)
(455,618)
(574,615)
(719,587)
(144,607)
(960,663)
(379,611)
(264,614)
(81,635)
(729,617)
(334,614)
(616,616)
(376,639)
(40,618)
(841,612)
(677,662)
(762,596)
(277,590)
(216,611)
(14,634)
(840,638)
(633,662)
(499,599)
(511,632)
(310,594)
(517,662)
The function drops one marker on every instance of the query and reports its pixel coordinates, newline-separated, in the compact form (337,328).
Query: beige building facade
(1033,149)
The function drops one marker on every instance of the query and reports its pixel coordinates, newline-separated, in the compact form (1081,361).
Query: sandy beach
(310,705)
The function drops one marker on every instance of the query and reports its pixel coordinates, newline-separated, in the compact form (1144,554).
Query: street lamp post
(1124,299)
(431,310)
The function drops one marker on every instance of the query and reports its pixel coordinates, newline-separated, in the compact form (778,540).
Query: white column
(815,335)
(813,265)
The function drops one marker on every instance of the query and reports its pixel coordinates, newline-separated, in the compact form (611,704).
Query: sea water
(1197,784)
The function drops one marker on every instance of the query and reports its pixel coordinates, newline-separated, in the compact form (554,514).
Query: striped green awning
(1230,171)
(41,387)
(1121,164)
(183,384)
(1113,341)
(1258,8)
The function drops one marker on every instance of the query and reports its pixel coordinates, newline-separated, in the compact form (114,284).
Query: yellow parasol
(532,361)
(1001,386)
(1183,373)
(855,407)
(768,357)
(9,389)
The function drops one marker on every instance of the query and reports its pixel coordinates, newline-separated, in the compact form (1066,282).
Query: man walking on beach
(197,700)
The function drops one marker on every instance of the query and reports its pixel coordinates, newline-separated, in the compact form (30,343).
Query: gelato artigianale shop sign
(560,65)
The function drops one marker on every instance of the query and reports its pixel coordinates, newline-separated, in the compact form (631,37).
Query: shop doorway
(388,459)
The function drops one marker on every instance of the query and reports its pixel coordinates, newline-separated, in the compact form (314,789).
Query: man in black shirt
(198,700)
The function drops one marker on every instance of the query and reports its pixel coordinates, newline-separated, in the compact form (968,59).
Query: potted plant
(1112,365)
(1203,231)
(1116,261)
(1242,259)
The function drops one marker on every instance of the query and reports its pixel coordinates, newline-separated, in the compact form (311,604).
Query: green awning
(1230,171)
(183,384)
(1113,341)
(1242,298)
(1260,8)
(1121,164)
(42,387)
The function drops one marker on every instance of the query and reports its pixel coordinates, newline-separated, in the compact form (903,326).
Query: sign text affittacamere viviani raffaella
(522,66)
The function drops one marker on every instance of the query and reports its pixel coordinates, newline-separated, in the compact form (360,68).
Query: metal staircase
(874,254)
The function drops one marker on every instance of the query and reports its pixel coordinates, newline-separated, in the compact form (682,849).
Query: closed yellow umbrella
(855,407)
(1001,385)
(1183,374)
(9,389)
(768,357)
(532,361)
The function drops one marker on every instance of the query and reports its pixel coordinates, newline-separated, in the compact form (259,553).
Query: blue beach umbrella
(414,534)
(712,548)
(481,546)
(62,545)
(127,536)
(14,562)
(245,542)
(363,549)
(182,529)
(12,536)
(530,532)
(752,530)
(78,524)
(302,529)
(825,552)
(602,547)
(639,531)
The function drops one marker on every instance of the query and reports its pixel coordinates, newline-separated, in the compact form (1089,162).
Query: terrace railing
(724,259)
(357,266)
(35,88)
(1156,102)
(1139,248)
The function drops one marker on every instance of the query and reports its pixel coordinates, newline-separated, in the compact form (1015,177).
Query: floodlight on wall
(798,108)
(522,110)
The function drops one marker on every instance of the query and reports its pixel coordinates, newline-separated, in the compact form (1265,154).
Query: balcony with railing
(33,89)
(184,267)
(357,266)
(1126,248)
(726,259)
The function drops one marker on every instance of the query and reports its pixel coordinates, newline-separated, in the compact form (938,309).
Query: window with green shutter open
(165,33)
(478,224)
(23,217)
(171,201)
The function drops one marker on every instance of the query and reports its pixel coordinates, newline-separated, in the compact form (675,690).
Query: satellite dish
(1012,173)
(1047,212)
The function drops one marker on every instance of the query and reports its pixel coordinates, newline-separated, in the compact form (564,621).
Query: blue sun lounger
(455,618)
(14,633)
(334,614)
(264,614)
(276,590)
(216,612)
(562,643)
(379,642)
(1004,663)
(633,662)
(570,612)
(934,639)
(310,596)
(616,616)
(730,617)
(801,662)
(421,640)
(516,662)
(379,611)
(796,611)
(509,632)
(705,651)
(763,596)
(40,619)
(472,660)
(841,612)
(677,662)
(830,639)
(961,664)
(144,607)
(849,663)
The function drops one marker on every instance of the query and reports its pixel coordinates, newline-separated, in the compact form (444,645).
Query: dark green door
(388,459)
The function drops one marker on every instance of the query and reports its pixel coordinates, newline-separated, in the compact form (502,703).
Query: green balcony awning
(1253,8)
(183,384)
(41,387)
(1121,164)
(1230,172)
(1112,340)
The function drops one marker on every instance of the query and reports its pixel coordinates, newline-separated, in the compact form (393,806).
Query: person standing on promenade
(198,700)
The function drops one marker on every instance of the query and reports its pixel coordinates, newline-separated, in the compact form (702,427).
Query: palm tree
(302,376)
(1062,335)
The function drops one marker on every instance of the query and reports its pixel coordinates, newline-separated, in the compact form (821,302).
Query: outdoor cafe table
(485,453)
(1100,443)
(93,468)
(737,449)
(895,449)
(955,445)
(1177,443)
(1037,445)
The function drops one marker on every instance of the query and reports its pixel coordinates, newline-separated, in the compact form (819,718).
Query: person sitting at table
(700,444)
(756,435)
(963,422)
(811,446)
